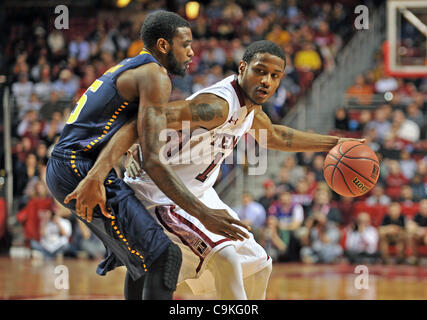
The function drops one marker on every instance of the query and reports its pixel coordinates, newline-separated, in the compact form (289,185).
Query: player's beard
(174,66)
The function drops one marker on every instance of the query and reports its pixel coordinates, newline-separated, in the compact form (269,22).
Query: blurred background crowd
(298,218)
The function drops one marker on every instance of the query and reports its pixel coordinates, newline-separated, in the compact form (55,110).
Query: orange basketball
(351,169)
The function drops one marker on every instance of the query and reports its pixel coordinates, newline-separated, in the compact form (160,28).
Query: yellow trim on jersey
(113,69)
(107,127)
(144,51)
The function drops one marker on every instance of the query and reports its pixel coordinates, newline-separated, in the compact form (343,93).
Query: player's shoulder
(151,75)
(210,98)
(151,69)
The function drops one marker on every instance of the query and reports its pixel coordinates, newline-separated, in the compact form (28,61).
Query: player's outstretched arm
(279,137)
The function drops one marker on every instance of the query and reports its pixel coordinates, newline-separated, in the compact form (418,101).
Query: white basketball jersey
(196,157)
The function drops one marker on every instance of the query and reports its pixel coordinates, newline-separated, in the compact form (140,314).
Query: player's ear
(242,66)
(163,45)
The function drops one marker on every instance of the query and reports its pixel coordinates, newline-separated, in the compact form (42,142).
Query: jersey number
(82,101)
(204,175)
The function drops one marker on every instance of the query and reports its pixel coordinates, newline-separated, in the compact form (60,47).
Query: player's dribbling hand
(88,194)
(219,221)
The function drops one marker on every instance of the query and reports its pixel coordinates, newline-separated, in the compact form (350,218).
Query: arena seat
(376,212)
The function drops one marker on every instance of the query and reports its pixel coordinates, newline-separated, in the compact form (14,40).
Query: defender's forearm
(154,120)
(288,139)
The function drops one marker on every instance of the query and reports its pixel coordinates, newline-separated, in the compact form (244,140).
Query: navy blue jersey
(101,111)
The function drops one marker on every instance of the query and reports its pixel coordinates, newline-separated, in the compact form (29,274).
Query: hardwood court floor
(29,279)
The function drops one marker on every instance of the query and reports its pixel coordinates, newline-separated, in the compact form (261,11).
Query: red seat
(409,210)
(376,212)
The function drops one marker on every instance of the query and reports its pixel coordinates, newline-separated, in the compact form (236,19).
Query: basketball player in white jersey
(227,110)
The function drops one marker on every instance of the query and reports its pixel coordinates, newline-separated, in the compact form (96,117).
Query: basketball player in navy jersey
(137,87)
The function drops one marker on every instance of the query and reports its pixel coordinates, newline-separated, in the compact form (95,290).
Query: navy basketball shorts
(132,237)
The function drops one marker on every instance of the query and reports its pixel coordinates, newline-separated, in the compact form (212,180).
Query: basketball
(351,169)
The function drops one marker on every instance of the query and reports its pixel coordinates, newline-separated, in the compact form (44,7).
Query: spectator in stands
(322,205)
(269,195)
(22,90)
(21,66)
(88,78)
(417,232)
(24,173)
(361,242)
(34,103)
(345,206)
(317,167)
(302,195)
(414,114)
(54,126)
(305,159)
(380,123)
(214,54)
(41,152)
(341,119)
(324,37)
(390,148)
(371,137)
(290,217)
(378,196)
(418,187)
(215,74)
(364,119)
(360,92)
(36,70)
(407,203)
(392,232)
(283,183)
(43,87)
(229,65)
(79,48)
(278,35)
(57,44)
(296,172)
(20,150)
(403,128)
(83,243)
(30,215)
(52,105)
(237,50)
(55,233)
(252,213)
(321,245)
(67,84)
(407,164)
(270,239)
(312,183)
(395,180)
(308,59)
